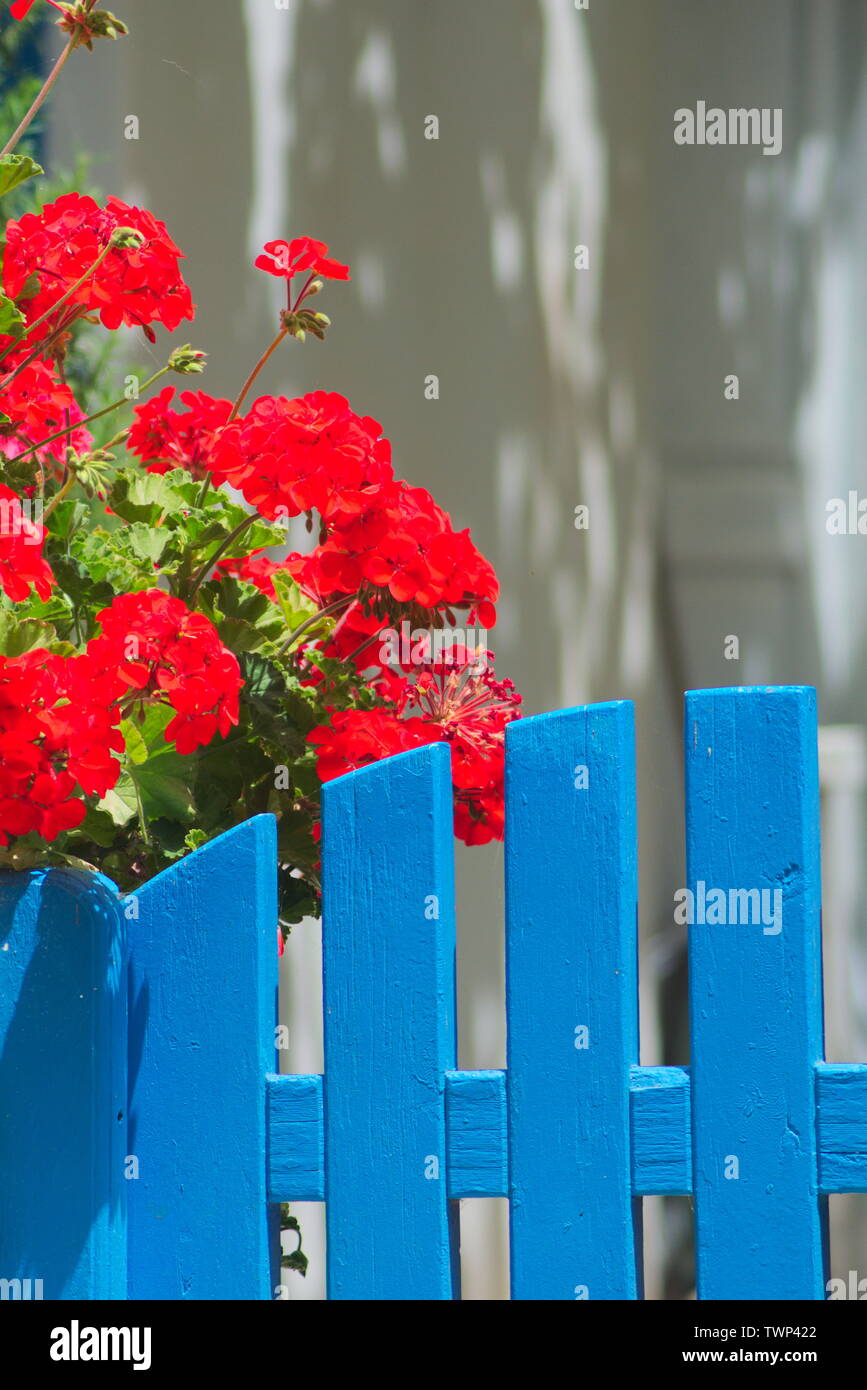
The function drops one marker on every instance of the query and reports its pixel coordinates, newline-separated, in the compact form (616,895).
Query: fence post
(389,1002)
(203,1008)
(572,1003)
(62,1086)
(752,810)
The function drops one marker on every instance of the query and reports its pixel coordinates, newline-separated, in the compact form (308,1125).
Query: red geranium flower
(287,258)
(456,699)
(133,285)
(154,650)
(21,8)
(293,456)
(402,542)
(21,561)
(39,404)
(56,739)
(167,439)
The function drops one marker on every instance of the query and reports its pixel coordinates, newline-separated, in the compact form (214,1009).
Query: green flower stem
(116,438)
(58,497)
(333,607)
(236,408)
(220,551)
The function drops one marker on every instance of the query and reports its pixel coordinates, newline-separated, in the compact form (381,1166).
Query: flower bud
(187,360)
(86,24)
(127,239)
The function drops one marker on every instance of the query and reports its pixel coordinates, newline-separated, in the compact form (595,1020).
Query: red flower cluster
(315,453)
(451,701)
(56,738)
(153,649)
(166,439)
(287,258)
(397,538)
(22,564)
(289,457)
(39,404)
(133,285)
(356,738)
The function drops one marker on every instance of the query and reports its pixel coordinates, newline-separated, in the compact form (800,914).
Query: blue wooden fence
(145,1136)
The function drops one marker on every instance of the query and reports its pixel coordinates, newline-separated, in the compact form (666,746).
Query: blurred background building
(456,153)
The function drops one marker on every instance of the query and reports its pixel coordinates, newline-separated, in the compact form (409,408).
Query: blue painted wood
(395,1135)
(755,992)
(571,1003)
(661,1131)
(841,1110)
(476,1133)
(62,1086)
(296,1139)
(203,989)
(389,964)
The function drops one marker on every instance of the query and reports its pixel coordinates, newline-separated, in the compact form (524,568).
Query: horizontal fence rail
(476,1142)
(171,1191)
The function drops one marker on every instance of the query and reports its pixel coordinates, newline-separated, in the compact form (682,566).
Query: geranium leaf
(11,320)
(16,169)
(120,803)
(20,635)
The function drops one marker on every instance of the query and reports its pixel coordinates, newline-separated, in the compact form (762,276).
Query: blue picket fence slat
(63,1029)
(203,1005)
(173,1193)
(571,1003)
(752,831)
(388,965)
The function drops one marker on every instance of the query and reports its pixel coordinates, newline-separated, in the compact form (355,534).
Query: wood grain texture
(661,1131)
(203,994)
(476,1142)
(389,999)
(62,1084)
(571,1003)
(841,1109)
(752,807)
(476,1134)
(296,1139)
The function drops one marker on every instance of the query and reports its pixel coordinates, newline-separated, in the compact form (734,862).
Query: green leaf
(120,803)
(18,636)
(142,496)
(295,606)
(146,542)
(98,826)
(163,782)
(170,836)
(11,317)
(136,748)
(68,517)
(16,169)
